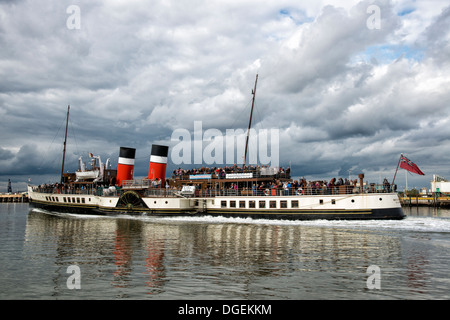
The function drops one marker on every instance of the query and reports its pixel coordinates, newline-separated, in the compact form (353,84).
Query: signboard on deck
(248,175)
(199,176)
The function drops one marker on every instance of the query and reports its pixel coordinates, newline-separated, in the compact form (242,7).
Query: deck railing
(223,175)
(195,192)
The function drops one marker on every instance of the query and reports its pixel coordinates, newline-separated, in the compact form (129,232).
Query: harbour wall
(425,201)
(19,197)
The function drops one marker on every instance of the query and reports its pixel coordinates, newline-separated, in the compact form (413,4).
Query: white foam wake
(419,224)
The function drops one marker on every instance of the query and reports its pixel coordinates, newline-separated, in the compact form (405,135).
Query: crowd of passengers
(276,187)
(70,189)
(301,187)
(220,172)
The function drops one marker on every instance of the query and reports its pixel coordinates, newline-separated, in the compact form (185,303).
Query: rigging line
(74,136)
(242,111)
(258,115)
(44,158)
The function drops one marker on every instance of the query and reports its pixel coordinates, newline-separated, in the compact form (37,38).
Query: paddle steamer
(251,192)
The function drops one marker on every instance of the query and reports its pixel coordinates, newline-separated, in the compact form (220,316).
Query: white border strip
(158,159)
(127,161)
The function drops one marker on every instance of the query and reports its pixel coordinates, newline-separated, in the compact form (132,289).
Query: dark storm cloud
(24,162)
(5,154)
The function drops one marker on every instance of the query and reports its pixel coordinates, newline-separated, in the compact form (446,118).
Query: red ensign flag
(407,164)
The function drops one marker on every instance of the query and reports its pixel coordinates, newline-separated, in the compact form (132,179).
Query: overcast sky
(346,90)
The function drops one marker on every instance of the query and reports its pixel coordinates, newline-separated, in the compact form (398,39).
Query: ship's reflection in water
(134,246)
(175,259)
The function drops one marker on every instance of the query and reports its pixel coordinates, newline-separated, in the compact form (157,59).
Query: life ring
(299,191)
(266,192)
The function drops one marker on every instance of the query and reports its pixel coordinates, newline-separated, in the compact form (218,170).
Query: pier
(425,201)
(18,197)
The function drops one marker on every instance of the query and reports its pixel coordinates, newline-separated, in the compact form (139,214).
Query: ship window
(78,200)
(272,204)
(252,204)
(73,200)
(241,204)
(333,201)
(232,204)
(68,200)
(283,204)
(64,199)
(321,201)
(223,204)
(294,204)
(262,204)
(82,200)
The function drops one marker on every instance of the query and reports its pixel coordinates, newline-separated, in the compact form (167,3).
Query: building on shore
(440,185)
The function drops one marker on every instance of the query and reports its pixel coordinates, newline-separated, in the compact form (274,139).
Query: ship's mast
(65,141)
(250,121)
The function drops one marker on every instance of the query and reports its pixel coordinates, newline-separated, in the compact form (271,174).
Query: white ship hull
(349,206)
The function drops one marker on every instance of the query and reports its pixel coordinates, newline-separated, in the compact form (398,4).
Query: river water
(62,256)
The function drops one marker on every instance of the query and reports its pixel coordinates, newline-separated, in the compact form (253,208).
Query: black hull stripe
(390,213)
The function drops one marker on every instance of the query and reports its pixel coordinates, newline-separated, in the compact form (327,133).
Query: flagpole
(396,169)
(406,178)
